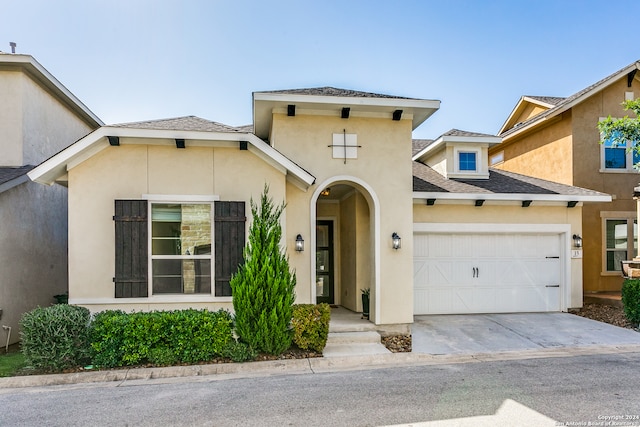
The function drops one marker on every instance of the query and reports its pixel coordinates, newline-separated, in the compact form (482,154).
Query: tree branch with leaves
(620,131)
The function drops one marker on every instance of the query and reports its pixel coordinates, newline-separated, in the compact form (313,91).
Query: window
(618,157)
(181,248)
(497,158)
(618,245)
(466,161)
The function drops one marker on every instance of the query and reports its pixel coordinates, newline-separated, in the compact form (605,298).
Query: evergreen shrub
(310,324)
(263,286)
(159,337)
(55,338)
(631,300)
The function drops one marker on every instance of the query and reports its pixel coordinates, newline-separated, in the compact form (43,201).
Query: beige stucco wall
(131,171)
(34,124)
(382,173)
(545,154)
(512,214)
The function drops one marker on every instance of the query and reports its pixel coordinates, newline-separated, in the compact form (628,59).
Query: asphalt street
(579,389)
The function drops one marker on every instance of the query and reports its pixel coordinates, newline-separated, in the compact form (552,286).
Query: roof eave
(52,169)
(519,197)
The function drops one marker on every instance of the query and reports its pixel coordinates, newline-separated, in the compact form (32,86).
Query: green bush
(239,352)
(310,325)
(631,300)
(159,337)
(55,338)
(263,287)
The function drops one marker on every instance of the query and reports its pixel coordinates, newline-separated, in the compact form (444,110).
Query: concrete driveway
(489,333)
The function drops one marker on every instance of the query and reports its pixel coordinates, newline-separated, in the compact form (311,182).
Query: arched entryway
(345,244)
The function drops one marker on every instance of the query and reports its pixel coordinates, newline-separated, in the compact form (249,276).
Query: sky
(133,60)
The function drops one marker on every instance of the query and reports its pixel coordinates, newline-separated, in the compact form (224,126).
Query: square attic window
(467,161)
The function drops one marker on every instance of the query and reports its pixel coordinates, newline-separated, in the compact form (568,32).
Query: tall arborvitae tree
(263,287)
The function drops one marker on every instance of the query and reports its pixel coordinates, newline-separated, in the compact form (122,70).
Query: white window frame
(629,217)
(629,159)
(181,199)
(456,159)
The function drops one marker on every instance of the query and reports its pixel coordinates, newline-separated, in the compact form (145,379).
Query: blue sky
(148,59)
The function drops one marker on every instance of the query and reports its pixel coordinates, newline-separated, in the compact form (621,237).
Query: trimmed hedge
(55,338)
(310,324)
(159,337)
(631,300)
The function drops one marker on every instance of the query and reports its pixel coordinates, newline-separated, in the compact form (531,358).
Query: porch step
(340,344)
(355,325)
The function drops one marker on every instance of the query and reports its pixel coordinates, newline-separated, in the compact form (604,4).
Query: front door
(324,262)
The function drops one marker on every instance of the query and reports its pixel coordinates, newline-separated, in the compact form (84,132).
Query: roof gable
(564,104)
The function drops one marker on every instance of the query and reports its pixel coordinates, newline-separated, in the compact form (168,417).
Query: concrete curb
(303,366)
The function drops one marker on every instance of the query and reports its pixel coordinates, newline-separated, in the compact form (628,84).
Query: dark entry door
(324,262)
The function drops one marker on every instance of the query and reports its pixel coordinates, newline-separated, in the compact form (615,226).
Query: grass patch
(11,364)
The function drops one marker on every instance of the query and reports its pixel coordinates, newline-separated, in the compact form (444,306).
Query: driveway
(488,333)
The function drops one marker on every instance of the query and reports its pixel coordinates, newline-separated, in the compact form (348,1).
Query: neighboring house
(38,118)
(558,139)
(158,210)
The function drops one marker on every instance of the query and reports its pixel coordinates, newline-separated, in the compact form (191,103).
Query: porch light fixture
(325,192)
(577,241)
(299,243)
(397,241)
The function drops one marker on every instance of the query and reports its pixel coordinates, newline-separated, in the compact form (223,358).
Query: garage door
(486,273)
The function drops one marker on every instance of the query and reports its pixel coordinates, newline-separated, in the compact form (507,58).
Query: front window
(619,246)
(467,161)
(181,248)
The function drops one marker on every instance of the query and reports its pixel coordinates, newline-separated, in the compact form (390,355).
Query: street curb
(304,366)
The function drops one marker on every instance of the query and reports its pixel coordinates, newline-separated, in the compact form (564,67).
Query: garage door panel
(487,273)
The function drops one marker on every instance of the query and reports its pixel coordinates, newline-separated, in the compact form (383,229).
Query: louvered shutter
(131,280)
(229,233)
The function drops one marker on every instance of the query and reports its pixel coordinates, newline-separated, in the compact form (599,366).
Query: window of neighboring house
(466,161)
(181,248)
(497,158)
(618,245)
(617,157)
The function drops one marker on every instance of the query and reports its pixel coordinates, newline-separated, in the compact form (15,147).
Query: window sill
(633,171)
(165,299)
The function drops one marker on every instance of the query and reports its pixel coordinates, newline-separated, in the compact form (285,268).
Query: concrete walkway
(351,335)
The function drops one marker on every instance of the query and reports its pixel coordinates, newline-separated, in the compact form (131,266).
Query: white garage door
(486,273)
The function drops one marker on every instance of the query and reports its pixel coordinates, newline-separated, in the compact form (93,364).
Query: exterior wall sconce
(299,243)
(577,241)
(397,241)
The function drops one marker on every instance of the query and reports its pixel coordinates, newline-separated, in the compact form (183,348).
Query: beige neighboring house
(38,118)
(159,211)
(558,139)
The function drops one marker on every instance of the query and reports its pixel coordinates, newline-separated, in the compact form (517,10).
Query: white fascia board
(348,100)
(511,197)
(473,139)
(29,63)
(57,166)
(537,101)
(576,101)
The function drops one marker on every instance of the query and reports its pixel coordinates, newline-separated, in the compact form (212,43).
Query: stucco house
(158,211)
(38,118)
(557,139)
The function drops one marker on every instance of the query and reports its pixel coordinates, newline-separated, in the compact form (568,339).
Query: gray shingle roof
(187,123)
(332,91)
(245,128)
(553,100)
(425,179)
(550,112)
(420,144)
(10,173)
(458,132)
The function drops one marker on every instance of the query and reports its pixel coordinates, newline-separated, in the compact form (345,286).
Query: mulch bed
(605,313)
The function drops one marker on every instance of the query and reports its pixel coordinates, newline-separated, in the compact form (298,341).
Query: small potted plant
(366,293)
